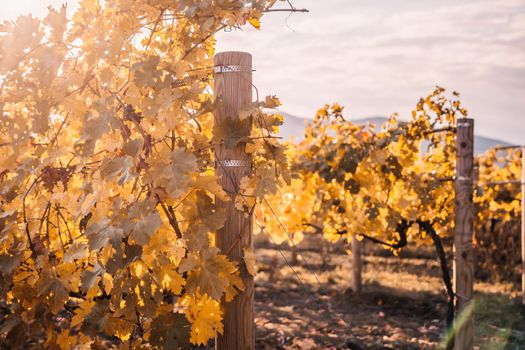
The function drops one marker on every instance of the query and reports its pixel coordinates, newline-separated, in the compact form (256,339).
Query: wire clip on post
(231,163)
(231,69)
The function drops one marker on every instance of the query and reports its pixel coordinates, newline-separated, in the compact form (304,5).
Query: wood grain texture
(233,90)
(523,225)
(464,258)
(357,266)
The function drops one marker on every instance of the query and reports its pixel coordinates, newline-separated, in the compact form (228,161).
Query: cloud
(9,10)
(380,56)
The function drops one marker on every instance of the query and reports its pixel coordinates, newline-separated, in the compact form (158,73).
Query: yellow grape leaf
(249,261)
(248,110)
(182,161)
(54,291)
(170,279)
(57,20)
(267,182)
(69,275)
(84,308)
(117,166)
(197,237)
(76,251)
(89,277)
(211,273)
(210,214)
(255,22)
(379,156)
(122,328)
(245,200)
(132,148)
(205,316)
(145,228)
(8,263)
(209,183)
(146,72)
(65,340)
(170,331)
(107,282)
(100,233)
(271,101)
(270,122)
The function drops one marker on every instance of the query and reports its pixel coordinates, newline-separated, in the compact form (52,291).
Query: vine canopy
(107,212)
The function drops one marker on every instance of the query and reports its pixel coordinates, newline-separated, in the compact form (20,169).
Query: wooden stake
(293,259)
(463,233)
(357,282)
(233,90)
(523,225)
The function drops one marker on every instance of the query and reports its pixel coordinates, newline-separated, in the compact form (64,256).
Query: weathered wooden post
(523,225)
(233,90)
(463,233)
(357,282)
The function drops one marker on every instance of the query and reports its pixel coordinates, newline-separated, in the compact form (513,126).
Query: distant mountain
(294,127)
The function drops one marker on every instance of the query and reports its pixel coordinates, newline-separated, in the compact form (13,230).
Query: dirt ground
(402,306)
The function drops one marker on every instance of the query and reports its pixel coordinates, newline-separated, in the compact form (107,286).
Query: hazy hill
(294,126)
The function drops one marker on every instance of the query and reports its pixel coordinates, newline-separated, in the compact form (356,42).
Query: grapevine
(107,209)
(390,186)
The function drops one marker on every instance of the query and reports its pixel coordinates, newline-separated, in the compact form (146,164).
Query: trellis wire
(296,273)
(329,304)
(263,229)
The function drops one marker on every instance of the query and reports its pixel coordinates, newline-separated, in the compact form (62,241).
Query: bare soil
(402,305)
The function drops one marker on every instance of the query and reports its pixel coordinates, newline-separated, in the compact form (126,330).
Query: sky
(377,57)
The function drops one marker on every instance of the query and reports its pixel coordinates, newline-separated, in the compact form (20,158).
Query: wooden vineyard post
(357,282)
(523,225)
(463,234)
(233,90)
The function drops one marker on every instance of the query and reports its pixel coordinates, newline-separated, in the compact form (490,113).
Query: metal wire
(263,229)
(261,226)
(329,304)
(296,273)
(290,238)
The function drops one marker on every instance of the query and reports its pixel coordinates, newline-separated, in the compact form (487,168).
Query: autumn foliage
(107,209)
(393,184)
(378,181)
(107,183)
(498,207)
